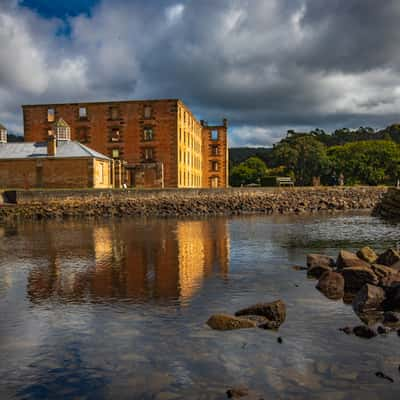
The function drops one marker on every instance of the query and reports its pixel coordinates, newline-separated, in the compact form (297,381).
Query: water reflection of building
(137,261)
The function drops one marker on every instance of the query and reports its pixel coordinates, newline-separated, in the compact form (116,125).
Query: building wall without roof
(178,138)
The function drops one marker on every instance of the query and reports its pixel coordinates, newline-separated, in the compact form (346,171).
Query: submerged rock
(389,257)
(367,254)
(225,322)
(274,311)
(237,392)
(391,318)
(364,332)
(369,298)
(346,259)
(356,277)
(331,284)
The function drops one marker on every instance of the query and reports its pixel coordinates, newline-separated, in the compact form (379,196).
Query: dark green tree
(303,156)
(250,171)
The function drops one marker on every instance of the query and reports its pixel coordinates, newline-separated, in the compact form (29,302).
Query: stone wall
(37,204)
(389,206)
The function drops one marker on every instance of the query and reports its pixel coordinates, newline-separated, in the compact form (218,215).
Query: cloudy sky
(266,65)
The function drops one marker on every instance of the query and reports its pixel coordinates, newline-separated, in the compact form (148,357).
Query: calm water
(116,310)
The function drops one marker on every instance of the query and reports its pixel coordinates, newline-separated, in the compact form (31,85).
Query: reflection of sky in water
(117,310)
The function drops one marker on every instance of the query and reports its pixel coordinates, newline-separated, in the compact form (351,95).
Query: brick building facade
(54,163)
(161,142)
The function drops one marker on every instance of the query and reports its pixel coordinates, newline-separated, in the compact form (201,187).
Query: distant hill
(240,154)
(11,138)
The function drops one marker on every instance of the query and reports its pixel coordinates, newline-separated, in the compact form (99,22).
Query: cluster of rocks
(369,280)
(389,206)
(199,203)
(263,315)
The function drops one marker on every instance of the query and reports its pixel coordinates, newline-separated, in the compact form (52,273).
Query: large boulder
(387,276)
(367,254)
(320,260)
(347,259)
(389,257)
(225,322)
(274,311)
(356,277)
(369,298)
(331,284)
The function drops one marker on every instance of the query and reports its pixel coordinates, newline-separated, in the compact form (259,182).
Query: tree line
(361,156)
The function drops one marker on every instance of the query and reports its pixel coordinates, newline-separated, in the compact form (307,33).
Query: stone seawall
(48,204)
(389,206)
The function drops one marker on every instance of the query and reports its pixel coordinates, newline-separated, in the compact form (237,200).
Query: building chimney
(51,145)
(225,122)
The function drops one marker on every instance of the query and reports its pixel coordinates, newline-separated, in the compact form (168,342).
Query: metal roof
(65,149)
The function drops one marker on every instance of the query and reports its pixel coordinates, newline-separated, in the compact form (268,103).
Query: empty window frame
(115,135)
(214,134)
(214,150)
(83,134)
(114,113)
(148,112)
(214,166)
(82,112)
(148,154)
(214,182)
(51,115)
(147,134)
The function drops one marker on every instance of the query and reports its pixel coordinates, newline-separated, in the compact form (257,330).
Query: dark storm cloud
(267,66)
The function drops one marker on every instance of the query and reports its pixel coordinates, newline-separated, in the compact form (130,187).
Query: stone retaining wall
(49,204)
(389,206)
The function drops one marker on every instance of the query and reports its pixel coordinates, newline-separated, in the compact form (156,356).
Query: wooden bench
(284,181)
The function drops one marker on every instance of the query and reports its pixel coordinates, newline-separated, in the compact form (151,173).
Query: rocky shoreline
(183,203)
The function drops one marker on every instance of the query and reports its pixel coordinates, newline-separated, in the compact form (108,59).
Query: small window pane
(148,154)
(115,153)
(115,135)
(82,112)
(50,115)
(114,113)
(147,112)
(148,134)
(214,134)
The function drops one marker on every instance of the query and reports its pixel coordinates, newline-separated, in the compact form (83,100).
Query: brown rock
(387,276)
(331,284)
(317,271)
(356,277)
(274,311)
(369,298)
(318,260)
(346,259)
(391,318)
(224,322)
(367,254)
(389,257)
(393,298)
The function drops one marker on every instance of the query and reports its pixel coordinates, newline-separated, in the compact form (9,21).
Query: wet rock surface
(356,277)
(346,259)
(225,322)
(263,315)
(274,312)
(367,254)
